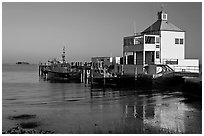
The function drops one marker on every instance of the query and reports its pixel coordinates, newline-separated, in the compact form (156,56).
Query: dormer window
(164,17)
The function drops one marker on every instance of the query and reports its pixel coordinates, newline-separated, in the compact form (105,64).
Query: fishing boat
(61,70)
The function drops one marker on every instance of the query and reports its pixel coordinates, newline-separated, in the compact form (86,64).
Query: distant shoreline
(18,64)
(22,62)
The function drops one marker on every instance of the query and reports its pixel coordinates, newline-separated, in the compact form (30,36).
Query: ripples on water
(76,108)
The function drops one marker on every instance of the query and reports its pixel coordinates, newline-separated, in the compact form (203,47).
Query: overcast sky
(36,32)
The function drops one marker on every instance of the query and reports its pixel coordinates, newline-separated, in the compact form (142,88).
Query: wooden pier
(42,69)
(135,80)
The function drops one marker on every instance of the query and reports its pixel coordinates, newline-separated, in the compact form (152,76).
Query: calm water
(75,108)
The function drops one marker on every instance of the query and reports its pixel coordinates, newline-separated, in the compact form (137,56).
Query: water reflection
(123,110)
(150,112)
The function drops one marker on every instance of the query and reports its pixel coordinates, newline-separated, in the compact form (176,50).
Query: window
(137,41)
(131,41)
(164,16)
(157,46)
(157,40)
(181,41)
(157,54)
(149,40)
(176,41)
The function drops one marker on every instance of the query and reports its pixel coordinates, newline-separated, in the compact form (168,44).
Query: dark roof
(162,25)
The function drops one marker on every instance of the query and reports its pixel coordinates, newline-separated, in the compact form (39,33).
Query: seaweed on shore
(19,130)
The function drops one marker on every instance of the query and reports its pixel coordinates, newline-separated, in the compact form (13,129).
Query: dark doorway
(152,54)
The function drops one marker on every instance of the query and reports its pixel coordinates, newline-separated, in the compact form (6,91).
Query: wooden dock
(137,80)
(42,69)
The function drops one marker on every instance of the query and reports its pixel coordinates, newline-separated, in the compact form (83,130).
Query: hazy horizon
(37,31)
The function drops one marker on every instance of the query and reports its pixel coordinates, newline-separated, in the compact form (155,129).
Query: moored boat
(62,71)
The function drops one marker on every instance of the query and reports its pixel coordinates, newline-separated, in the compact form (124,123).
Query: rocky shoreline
(19,130)
(25,126)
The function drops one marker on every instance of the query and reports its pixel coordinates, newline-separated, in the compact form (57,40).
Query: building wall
(188,62)
(100,61)
(130,48)
(149,47)
(132,69)
(116,60)
(170,50)
(187,65)
(96,59)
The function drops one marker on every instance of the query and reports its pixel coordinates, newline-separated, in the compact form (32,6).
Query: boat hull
(63,76)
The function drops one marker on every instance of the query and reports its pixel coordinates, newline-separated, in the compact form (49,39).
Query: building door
(152,54)
(149,57)
(130,59)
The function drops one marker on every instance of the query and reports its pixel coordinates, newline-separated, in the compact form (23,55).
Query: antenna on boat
(63,55)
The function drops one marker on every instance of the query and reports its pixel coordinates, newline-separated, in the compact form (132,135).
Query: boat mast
(63,55)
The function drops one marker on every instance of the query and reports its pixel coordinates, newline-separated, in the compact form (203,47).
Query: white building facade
(160,43)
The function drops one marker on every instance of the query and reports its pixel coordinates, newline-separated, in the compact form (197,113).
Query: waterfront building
(101,62)
(162,43)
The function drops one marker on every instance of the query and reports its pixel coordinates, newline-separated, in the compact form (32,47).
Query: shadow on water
(43,79)
(190,91)
(64,81)
(156,109)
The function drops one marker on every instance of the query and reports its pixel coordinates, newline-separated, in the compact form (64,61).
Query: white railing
(186,69)
(170,61)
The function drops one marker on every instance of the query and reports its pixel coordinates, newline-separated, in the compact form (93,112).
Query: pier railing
(186,68)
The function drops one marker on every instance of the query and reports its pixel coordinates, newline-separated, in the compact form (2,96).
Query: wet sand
(110,111)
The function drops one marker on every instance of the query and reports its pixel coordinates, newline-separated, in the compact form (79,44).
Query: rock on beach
(18,130)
